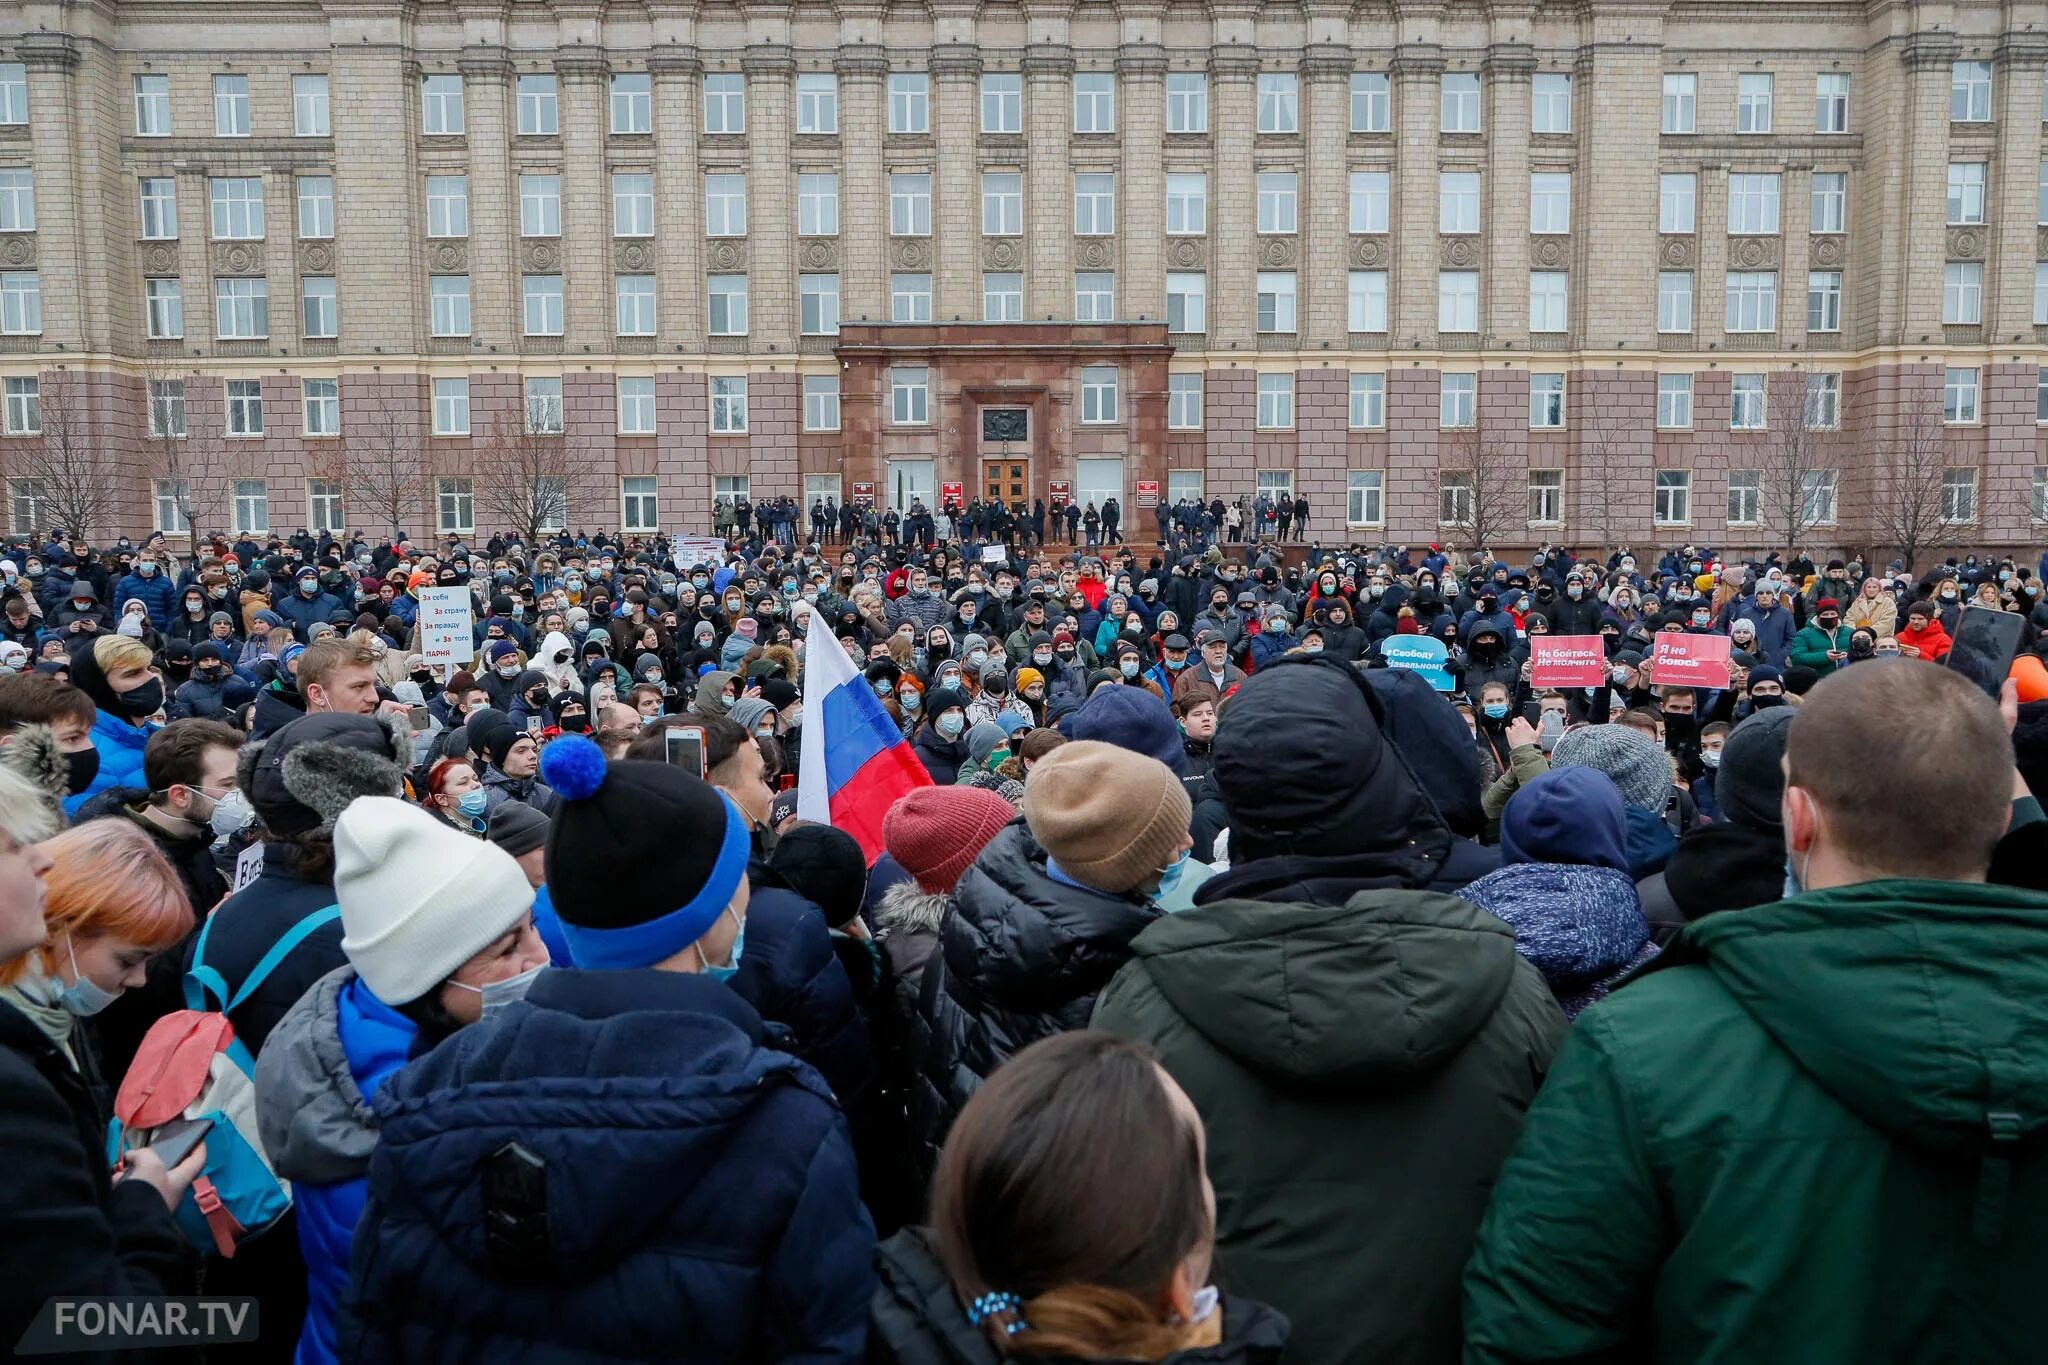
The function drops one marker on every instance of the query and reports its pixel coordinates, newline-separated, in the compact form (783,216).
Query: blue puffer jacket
(302,613)
(677,1192)
(318,1071)
(120,745)
(155,592)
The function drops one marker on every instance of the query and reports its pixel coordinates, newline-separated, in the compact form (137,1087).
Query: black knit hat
(498,741)
(826,867)
(517,828)
(642,858)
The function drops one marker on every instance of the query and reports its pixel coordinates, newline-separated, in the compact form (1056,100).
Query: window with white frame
(1002,296)
(1752,301)
(1275,306)
(541,297)
(1824,301)
(633,297)
(166,408)
(1187,203)
(910,204)
(170,498)
(1965,193)
(636,404)
(1550,102)
(910,395)
(163,308)
(1962,293)
(1365,497)
(1372,104)
(725,205)
(323,505)
(1187,102)
(540,205)
(1187,295)
(1277,191)
(441,106)
(821,402)
(729,487)
(1457,300)
(817,204)
(241,307)
(729,404)
(1369,198)
(24,406)
(1831,102)
(152,106)
(1823,408)
(1547,301)
(318,317)
(1677,201)
(1459,101)
(1455,400)
(21,303)
(728,304)
(548,496)
(632,205)
(1094,296)
(2041,294)
(1183,485)
(230,106)
(1746,402)
(1094,102)
(1546,497)
(910,297)
(1752,204)
(725,103)
(252,507)
(1550,202)
(1681,99)
(1002,203)
(159,208)
(28,505)
(245,407)
(309,106)
(451,407)
(1753,102)
(13,93)
(1829,209)
(1745,497)
(448,296)
(639,503)
(1674,402)
(1817,497)
(447,206)
(1366,301)
(1094,203)
(633,103)
(454,506)
(539,107)
(910,102)
(1273,483)
(2041,394)
(1368,400)
(1457,201)
(1546,401)
(818,304)
(1969,92)
(1184,402)
(544,406)
(817,102)
(2041,192)
(1959,395)
(1002,102)
(2037,494)
(1098,393)
(1453,498)
(1671,492)
(1958,496)
(237,202)
(1276,402)
(316,206)
(1279,102)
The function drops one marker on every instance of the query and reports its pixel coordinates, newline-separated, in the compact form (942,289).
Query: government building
(1748,273)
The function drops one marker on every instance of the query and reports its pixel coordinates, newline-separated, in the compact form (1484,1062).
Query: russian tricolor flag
(854,761)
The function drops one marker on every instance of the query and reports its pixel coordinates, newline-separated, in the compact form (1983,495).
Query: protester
(120,675)
(1739,859)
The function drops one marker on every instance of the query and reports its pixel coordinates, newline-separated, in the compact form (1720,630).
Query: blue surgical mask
(1496,710)
(732,961)
(471,802)
(498,994)
(84,997)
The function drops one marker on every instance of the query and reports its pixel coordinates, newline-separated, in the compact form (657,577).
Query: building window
(1276,402)
(322,402)
(1965,192)
(1830,200)
(1959,396)
(1368,401)
(1550,202)
(245,407)
(1187,102)
(542,296)
(1460,102)
(449,295)
(1453,498)
(725,205)
(1674,402)
(1550,102)
(725,104)
(1455,395)
(729,487)
(1752,301)
(1681,95)
(538,108)
(2037,496)
(152,106)
(27,505)
(1817,497)
(1677,196)
(634,298)
(632,205)
(1745,497)
(1094,204)
(1672,492)
(1279,102)
(1457,301)
(441,106)
(1958,496)
(540,205)
(163,307)
(1276,300)
(2041,294)
(818,299)
(817,103)
(1002,203)
(1746,402)
(13,93)
(159,209)
(17,200)
(1094,102)
(1364,497)
(1002,102)
(21,303)
(2041,395)
(316,206)
(1187,302)
(548,496)
(1094,296)
(447,206)
(252,507)
(309,106)
(817,204)
(1098,393)
(910,102)
(1457,201)
(1823,410)
(910,389)
(1002,296)
(237,207)
(170,497)
(24,406)
(910,298)
(1753,102)
(1184,402)
(1831,102)
(1372,102)
(639,502)
(231,106)
(636,405)
(1277,201)
(317,313)
(1187,203)
(1183,485)
(728,305)
(1962,293)
(1366,301)
(633,103)
(1546,401)
(1969,92)
(451,407)
(1824,301)
(1274,483)
(821,402)
(1546,497)
(241,308)
(166,408)
(1547,301)
(544,407)
(1369,192)
(1752,204)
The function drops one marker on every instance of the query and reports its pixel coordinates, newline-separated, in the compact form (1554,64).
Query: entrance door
(1009,480)
(911,481)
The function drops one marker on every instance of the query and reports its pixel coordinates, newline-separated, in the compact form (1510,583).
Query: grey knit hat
(1634,761)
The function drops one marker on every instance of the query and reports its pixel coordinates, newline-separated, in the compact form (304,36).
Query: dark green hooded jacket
(1810,1131)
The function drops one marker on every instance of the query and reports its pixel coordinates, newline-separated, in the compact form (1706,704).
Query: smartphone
(686,748)
(533,726)
(1984,645)
(421,717)
(174,1141)
(786,782)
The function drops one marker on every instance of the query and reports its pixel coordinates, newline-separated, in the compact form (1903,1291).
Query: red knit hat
(935,832)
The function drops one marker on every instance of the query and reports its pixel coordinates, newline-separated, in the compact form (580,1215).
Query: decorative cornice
(1416,61)
(675,59)
(1328,62)
(1048,59)
(768,59)
(861,61)
(1234,62)
(1509,59)
(485,63)
(1929,51)
(1141,59)
(574,64)
(954,62)
(46,51)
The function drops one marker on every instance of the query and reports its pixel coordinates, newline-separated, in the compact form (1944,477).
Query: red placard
(1060,492)
(1689,660)
(951,492)
(1566,661)
(1148,492)
(864,494)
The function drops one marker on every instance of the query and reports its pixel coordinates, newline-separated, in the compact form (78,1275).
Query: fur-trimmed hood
(907,921)
(33,754)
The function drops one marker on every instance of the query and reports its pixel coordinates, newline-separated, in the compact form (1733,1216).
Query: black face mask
(84,766)
(141,701)
(423,677)
(1766,701)
(575,725)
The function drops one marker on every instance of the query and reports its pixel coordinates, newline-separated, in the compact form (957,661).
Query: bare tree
(1607,435)
(1799,471)
(77,487)
(1493,474)
(521,476)
(379,462)
(1908,502)
(195,469)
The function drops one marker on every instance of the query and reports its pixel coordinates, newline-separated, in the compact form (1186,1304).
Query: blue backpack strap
(202,980)
(281,950)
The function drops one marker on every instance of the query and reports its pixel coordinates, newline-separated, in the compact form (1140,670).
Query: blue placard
(1418,654)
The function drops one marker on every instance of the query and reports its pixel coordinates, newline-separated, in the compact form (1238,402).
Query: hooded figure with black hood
(1358,1112)
(1738,860)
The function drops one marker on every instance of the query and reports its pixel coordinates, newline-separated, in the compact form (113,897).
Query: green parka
(1811,645)
(1809,1131)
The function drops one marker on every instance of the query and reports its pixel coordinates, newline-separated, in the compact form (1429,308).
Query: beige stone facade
(1378,205)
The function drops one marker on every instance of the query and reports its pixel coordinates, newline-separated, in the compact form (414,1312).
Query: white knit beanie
(418,898)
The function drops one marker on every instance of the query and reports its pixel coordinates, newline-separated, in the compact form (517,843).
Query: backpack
(191,1065)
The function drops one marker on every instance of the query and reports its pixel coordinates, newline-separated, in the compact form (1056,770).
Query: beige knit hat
(1109,817)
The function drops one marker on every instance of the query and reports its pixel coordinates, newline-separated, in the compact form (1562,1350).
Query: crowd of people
(1228,994)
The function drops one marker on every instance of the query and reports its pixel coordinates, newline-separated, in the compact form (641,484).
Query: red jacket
(1933,642)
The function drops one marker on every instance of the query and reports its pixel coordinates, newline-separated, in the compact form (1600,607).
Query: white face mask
(498,994)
